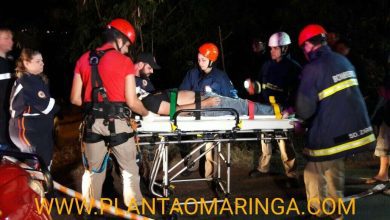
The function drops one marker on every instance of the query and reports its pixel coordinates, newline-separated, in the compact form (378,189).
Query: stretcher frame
(236,133)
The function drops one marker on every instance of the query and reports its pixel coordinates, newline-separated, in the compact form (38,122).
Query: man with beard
(145,66)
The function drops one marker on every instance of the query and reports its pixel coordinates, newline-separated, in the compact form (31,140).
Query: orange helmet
(210,51)
(124,27)
(310,31)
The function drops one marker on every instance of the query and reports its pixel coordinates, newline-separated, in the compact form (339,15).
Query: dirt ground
(67,170)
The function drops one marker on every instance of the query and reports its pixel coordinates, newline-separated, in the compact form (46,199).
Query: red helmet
(124,27)
(310,31)
(209,50)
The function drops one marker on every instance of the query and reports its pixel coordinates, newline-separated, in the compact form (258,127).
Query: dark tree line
(174,29)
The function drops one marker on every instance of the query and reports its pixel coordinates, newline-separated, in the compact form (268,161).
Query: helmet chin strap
(117,45)
(283,50)
(210,64)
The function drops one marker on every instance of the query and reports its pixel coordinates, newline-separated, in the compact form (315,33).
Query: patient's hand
(211,102)
(285,114)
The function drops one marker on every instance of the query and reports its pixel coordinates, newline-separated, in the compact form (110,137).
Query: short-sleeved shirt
(113,68)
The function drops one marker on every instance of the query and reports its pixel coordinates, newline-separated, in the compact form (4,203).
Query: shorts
(383,141)
(152,102)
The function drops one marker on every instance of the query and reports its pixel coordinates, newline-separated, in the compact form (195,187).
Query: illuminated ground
(68,170)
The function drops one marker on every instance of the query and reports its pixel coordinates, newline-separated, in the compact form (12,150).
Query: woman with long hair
(31,107)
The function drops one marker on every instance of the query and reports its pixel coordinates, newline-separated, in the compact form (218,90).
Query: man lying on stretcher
(159,103)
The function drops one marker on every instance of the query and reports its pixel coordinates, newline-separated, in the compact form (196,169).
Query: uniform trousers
(34,134)
(287,155)
(324,180)
(124,153)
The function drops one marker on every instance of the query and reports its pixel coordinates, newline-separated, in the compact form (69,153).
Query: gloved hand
(299,127)
(288,113)
(252,87)
(150,116)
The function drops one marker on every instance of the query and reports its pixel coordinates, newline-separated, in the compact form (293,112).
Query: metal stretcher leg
(165,172)
(224,188)
(155,168)
(228,170)
(169,175)
(187,160)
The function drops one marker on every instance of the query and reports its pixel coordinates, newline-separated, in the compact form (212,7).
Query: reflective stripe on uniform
(340,148)
(272,87)
(17,90)
(33,114)
(5,76)
(337,87)
(49,106)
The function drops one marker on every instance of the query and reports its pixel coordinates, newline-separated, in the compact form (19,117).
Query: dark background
(173,30)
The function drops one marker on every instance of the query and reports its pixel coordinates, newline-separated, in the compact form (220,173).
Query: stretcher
(165,131)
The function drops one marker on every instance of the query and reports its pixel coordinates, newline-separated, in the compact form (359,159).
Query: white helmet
(279,39)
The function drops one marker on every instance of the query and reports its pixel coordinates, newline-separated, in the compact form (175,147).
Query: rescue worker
(32,109)
(330,101)
(279,78)
(206,78)
(6,43)
(106,76)
(145,66)
(159,101)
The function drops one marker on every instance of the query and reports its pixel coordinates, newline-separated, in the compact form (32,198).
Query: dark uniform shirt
(5,88)
(216,81)
(145,84)
(30,97)
(281,80)
(330,100)
(32,113)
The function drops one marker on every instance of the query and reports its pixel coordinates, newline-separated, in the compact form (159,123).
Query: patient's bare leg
(185,97)
(207,102)
(164,108)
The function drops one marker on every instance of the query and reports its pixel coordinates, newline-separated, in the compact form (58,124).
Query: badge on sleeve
(144,83)
(41,94)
